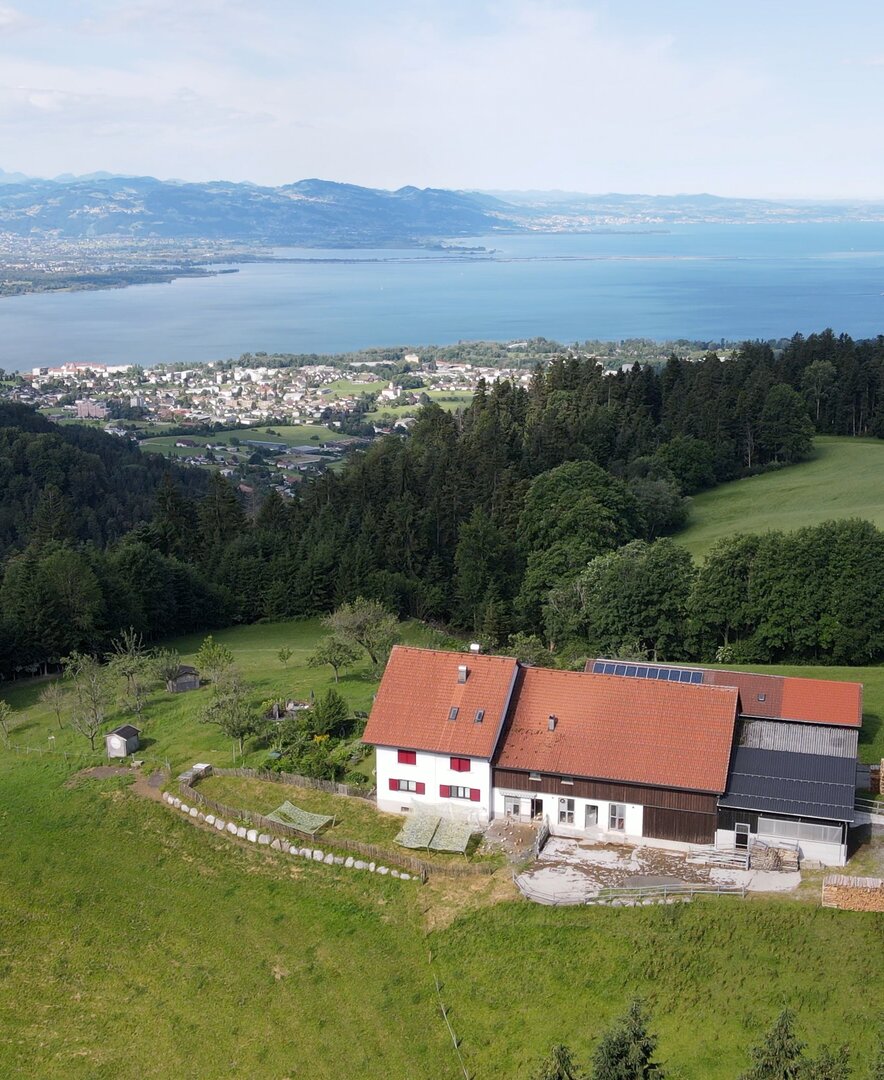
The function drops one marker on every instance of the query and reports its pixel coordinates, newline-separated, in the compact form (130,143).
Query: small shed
(188,678)
(122,741)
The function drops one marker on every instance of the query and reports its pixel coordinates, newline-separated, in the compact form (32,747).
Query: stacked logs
(853,893)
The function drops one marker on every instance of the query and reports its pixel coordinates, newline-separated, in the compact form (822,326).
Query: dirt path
(149,787)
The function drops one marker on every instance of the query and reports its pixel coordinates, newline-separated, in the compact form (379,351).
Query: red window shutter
(464,764)
(444,791)
(421,788)
(407,757)
(454,764)
(394,785)
(475,794)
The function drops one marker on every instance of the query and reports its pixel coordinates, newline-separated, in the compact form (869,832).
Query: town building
(664,755)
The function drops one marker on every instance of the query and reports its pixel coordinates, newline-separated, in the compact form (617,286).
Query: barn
(122,741)
(663,754)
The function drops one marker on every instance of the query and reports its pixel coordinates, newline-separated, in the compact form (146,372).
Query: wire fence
(293,779)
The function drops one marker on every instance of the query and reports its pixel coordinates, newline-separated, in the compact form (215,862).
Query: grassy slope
(132,942)
(845,478)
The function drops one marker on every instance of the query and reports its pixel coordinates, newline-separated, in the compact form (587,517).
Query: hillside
(843,479)
(280,968)
(310,212)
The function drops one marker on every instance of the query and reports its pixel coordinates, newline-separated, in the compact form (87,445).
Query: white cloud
(518,94)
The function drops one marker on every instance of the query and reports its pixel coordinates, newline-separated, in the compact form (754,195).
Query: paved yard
(571,871)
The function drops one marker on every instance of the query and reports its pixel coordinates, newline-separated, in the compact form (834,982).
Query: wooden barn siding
(687,816)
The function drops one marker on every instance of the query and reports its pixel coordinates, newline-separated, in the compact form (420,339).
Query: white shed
(122,741)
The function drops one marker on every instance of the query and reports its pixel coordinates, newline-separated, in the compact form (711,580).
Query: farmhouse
(664,754)
(122,741)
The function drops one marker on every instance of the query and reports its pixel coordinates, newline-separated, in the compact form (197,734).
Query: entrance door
(592,816)
(536,809)
(741,836)
(512,806)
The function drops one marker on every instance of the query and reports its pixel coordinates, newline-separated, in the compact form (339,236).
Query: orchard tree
(230,709)
(129,660)
(214,659)
(5,721)
(368,624)
(54,698)
(92,693)
(335,650)
(284,655)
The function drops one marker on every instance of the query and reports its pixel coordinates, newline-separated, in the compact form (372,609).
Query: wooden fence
(419,867)
(298,781)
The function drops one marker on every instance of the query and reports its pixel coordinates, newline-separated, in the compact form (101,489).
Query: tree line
(488,519)
(627,1051)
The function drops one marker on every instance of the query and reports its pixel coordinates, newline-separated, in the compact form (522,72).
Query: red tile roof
(418,691)
(786,697)
(812,701)
(608,727)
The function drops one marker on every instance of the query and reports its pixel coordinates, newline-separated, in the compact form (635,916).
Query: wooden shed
(188,678)
(122,741)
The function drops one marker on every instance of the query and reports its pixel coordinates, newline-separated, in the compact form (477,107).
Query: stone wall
(853,893)
(253,836)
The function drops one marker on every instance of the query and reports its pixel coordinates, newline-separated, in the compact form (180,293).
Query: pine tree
(626,1051)
(779,1057)
(558,1065)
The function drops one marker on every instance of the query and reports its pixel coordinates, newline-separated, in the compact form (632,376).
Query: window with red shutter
(460,764)
(421,788)
(443,791)
(394,785)
(475,794)
(407,757)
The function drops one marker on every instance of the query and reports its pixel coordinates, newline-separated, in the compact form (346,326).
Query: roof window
(480,715)
(762,697)
(452,712)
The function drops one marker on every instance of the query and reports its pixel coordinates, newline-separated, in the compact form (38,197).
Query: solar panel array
(646,671)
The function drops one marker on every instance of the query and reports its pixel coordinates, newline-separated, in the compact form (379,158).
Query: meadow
(134,944)
(844,478)
(291,435)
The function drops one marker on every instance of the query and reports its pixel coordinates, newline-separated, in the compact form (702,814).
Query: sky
(777,99)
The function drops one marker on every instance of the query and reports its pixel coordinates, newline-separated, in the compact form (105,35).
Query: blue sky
(777,99)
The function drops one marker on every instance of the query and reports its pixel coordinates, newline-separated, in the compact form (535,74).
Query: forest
(537,519)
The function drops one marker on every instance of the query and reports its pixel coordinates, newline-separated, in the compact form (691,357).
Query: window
(460,764)
(534,778)
(592,816)
(408,785)
(762,697)
(448,791)
(452,713)
(480,715)
(407,757)
(617,816)
(568,780)
(566,811)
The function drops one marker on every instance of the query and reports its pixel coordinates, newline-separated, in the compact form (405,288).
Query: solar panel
(640,671)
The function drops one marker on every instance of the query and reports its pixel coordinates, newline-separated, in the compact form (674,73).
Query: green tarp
(289,814)
(417,832)
(452,836)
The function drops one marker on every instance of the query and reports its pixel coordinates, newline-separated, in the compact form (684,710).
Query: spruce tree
(626,1051)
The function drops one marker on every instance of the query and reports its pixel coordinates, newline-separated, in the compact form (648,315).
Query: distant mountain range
(320,212)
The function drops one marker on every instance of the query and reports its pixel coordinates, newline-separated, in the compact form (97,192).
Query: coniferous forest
(537,519)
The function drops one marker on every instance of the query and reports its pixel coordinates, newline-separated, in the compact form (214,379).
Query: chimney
(475,648)
(551,723)
(462,671)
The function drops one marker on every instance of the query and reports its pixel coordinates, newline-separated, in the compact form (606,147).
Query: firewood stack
(853,893)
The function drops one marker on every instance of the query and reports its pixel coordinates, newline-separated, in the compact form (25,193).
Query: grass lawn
(135,945)
(355,819)
(450,400)
(843,479)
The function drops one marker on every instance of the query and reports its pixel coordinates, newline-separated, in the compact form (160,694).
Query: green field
(296,435)
(449,400)
(134,944)
(843,479)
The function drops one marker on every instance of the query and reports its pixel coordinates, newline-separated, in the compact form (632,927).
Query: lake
(696,282)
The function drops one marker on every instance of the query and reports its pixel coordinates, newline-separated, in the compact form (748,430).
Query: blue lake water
(696,282)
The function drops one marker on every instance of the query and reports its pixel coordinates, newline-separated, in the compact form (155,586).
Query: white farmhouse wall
(633,817)
(434,771)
